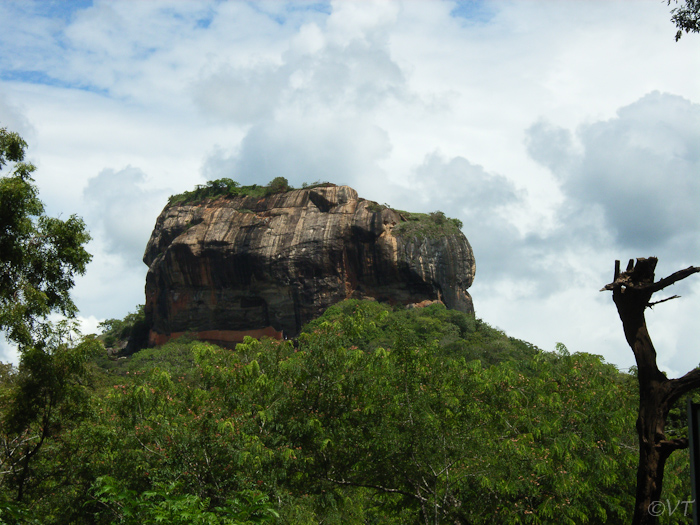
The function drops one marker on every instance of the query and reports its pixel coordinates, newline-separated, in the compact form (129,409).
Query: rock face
(237,265)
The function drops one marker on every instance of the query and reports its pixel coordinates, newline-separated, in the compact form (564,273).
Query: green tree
(543,440)
(39,258)
(46,395)
(373,415)
(418,433)
(278,185)
(164,440)
(686,17)
(39,255)
(130,333)
(164,504)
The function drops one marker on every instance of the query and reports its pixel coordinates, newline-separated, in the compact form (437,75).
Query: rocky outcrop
(237,264)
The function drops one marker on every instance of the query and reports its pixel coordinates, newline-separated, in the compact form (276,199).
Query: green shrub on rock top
(422,225)
(278,185)
(226,187)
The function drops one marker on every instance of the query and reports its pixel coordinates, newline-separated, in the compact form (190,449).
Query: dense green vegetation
(421,225)
(427,225)
(374,415)
(39,259)
(229,188)
(686,17)
(39,255)
(225,187)
(126,335)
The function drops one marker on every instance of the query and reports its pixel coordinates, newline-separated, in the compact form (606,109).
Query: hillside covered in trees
(373,415)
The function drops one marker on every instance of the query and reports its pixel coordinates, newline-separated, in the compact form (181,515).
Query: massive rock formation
(236,265)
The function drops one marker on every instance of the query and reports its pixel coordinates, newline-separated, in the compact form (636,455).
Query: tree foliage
(165,504)
(278,185)
(422,225)
(373,415)
(130,333)
(39,255)
(686,18)
(44,397)
(226,187)
(39,258)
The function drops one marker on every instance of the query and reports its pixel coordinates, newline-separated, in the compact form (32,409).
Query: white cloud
(343,69)
(111,287)
(351,21)
(304,150)
(523,119)
(123,211)
(465,187)
(241,95)
(13,119)
(640,169)
(8,352)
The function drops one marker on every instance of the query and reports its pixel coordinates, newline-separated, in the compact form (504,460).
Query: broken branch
(663,300)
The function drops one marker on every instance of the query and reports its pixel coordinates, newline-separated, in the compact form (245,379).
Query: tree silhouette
(632,291)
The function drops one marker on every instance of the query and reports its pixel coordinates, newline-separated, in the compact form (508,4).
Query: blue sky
(562,134)
(474,11)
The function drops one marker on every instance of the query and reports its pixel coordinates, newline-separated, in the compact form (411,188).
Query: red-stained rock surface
(226,338)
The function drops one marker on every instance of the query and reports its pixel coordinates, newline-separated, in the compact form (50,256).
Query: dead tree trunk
(632,291)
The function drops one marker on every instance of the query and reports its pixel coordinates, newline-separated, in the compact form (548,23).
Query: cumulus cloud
(304,150)
(13,119)
(639,170)
(487,203)
(309,107)
(551,146)
(123,210)
(344,67)
(464,186)
(8,352)
(240,95)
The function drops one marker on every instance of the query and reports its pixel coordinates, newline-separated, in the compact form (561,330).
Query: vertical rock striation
(270,264)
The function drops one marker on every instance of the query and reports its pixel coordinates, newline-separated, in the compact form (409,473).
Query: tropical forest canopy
(374,415)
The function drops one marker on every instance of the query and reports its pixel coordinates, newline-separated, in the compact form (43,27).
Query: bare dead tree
(632,291)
